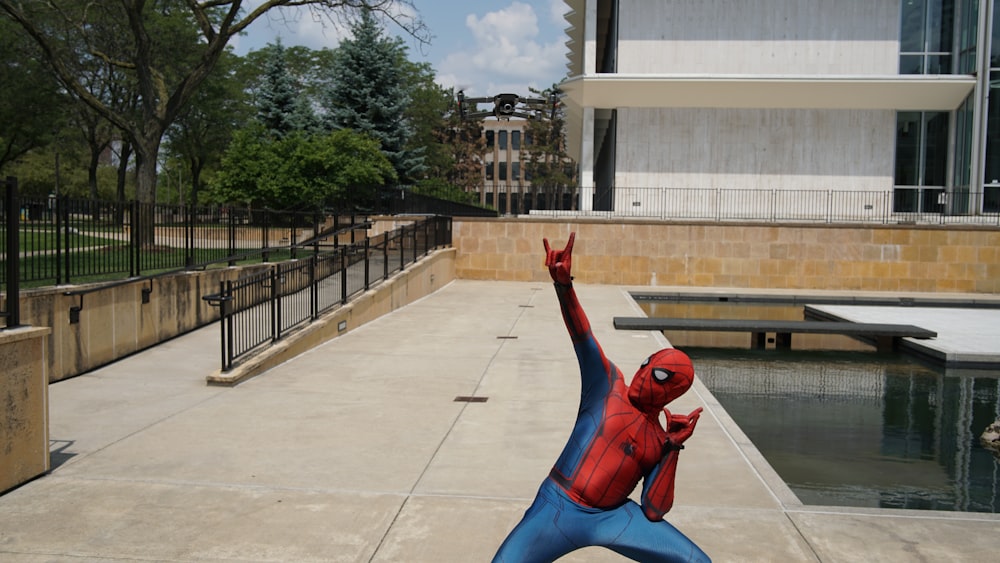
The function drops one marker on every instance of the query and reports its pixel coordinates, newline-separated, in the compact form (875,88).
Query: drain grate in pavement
(466,399)
(506,338)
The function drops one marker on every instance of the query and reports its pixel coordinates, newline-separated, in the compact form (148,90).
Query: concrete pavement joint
(461,411)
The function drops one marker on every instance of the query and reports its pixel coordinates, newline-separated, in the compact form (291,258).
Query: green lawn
(40,239)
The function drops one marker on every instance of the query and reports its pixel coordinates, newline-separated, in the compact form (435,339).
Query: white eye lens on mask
(646,362)
(662,375)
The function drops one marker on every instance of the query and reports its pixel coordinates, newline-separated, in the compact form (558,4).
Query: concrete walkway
(358,451)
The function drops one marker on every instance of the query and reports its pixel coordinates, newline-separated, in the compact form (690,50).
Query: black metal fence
(926,205)
(262,308)
(404,202)
(65,240)
(10,268)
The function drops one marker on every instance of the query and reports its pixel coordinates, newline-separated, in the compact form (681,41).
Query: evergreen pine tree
(279,107)
(369,94)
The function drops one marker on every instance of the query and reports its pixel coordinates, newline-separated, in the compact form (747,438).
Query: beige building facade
(786,96)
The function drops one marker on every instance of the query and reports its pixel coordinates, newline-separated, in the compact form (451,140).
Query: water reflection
(856,429)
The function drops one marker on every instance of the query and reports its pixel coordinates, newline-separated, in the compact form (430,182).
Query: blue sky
(484,47)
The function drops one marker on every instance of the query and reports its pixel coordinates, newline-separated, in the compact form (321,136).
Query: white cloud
(557,13)
(506,57)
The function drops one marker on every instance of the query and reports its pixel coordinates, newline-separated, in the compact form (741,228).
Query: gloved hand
(560,262)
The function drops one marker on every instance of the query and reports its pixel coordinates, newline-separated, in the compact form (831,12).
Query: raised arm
(596,371)
(559,263)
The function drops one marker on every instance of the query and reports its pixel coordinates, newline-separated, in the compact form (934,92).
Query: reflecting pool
(843,425)
(857,429)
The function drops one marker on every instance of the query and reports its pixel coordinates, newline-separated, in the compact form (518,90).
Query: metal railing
(926,205)
(65,240)
(10,271)
(262,308)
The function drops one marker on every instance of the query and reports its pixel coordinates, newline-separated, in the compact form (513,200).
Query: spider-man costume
(617,439)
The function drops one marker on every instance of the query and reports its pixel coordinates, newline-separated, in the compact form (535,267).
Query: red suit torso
(625,446)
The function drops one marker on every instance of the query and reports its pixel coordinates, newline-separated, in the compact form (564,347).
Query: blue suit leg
(537,538)
(627,531)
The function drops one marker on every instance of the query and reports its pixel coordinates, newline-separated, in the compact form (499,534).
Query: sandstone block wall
(893,258)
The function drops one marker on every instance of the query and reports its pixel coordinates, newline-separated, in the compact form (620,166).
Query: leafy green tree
(455,161)
(301,171)
(369,94)
(427,113)
(550,169)
(208,122)
(167,49)
(31,104)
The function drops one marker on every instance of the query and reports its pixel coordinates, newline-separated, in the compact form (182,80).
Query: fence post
(385,256)
(188,236)
(343,275)
(276,278)
(415,249)
(57,210)
(265,230)
(368,262)
(13,207)
(402,248)
(313,288)
(232,236)
(134,233)
(226,290)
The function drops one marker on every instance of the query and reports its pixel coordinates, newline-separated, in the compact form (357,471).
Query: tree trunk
(196,165)
(145,190)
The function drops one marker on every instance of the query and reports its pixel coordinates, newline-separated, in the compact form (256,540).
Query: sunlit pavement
(359,451)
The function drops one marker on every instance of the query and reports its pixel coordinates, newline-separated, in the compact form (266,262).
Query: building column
(587,161)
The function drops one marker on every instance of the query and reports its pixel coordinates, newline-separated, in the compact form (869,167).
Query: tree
(369,94)
(216,111)
(279,106)
(167,48)
(301,171)
(426,112)
(550,169)
(455,170)
(308,70)
(31,104)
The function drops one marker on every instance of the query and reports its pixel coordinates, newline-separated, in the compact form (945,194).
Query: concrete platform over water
(358,451)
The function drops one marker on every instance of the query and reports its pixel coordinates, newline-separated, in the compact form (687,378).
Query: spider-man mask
(661,378)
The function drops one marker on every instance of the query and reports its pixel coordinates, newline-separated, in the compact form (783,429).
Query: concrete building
(504,140)
(507,178)
(858,107)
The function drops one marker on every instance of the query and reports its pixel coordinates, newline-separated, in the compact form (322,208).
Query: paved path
(357,451)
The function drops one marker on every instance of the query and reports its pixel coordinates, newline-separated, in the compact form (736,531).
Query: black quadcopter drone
(505,106)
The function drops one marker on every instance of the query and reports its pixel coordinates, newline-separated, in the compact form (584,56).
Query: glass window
(995,43)
(503,169)
(907,148)
(926,36)
(515,140)
(515,171)
(911,64)
(502,140)
(489,139)
(991,173)
(936,149)
(527,138)
(921,160)
(911,26)
(489,171)
(968,33)
(940,25)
